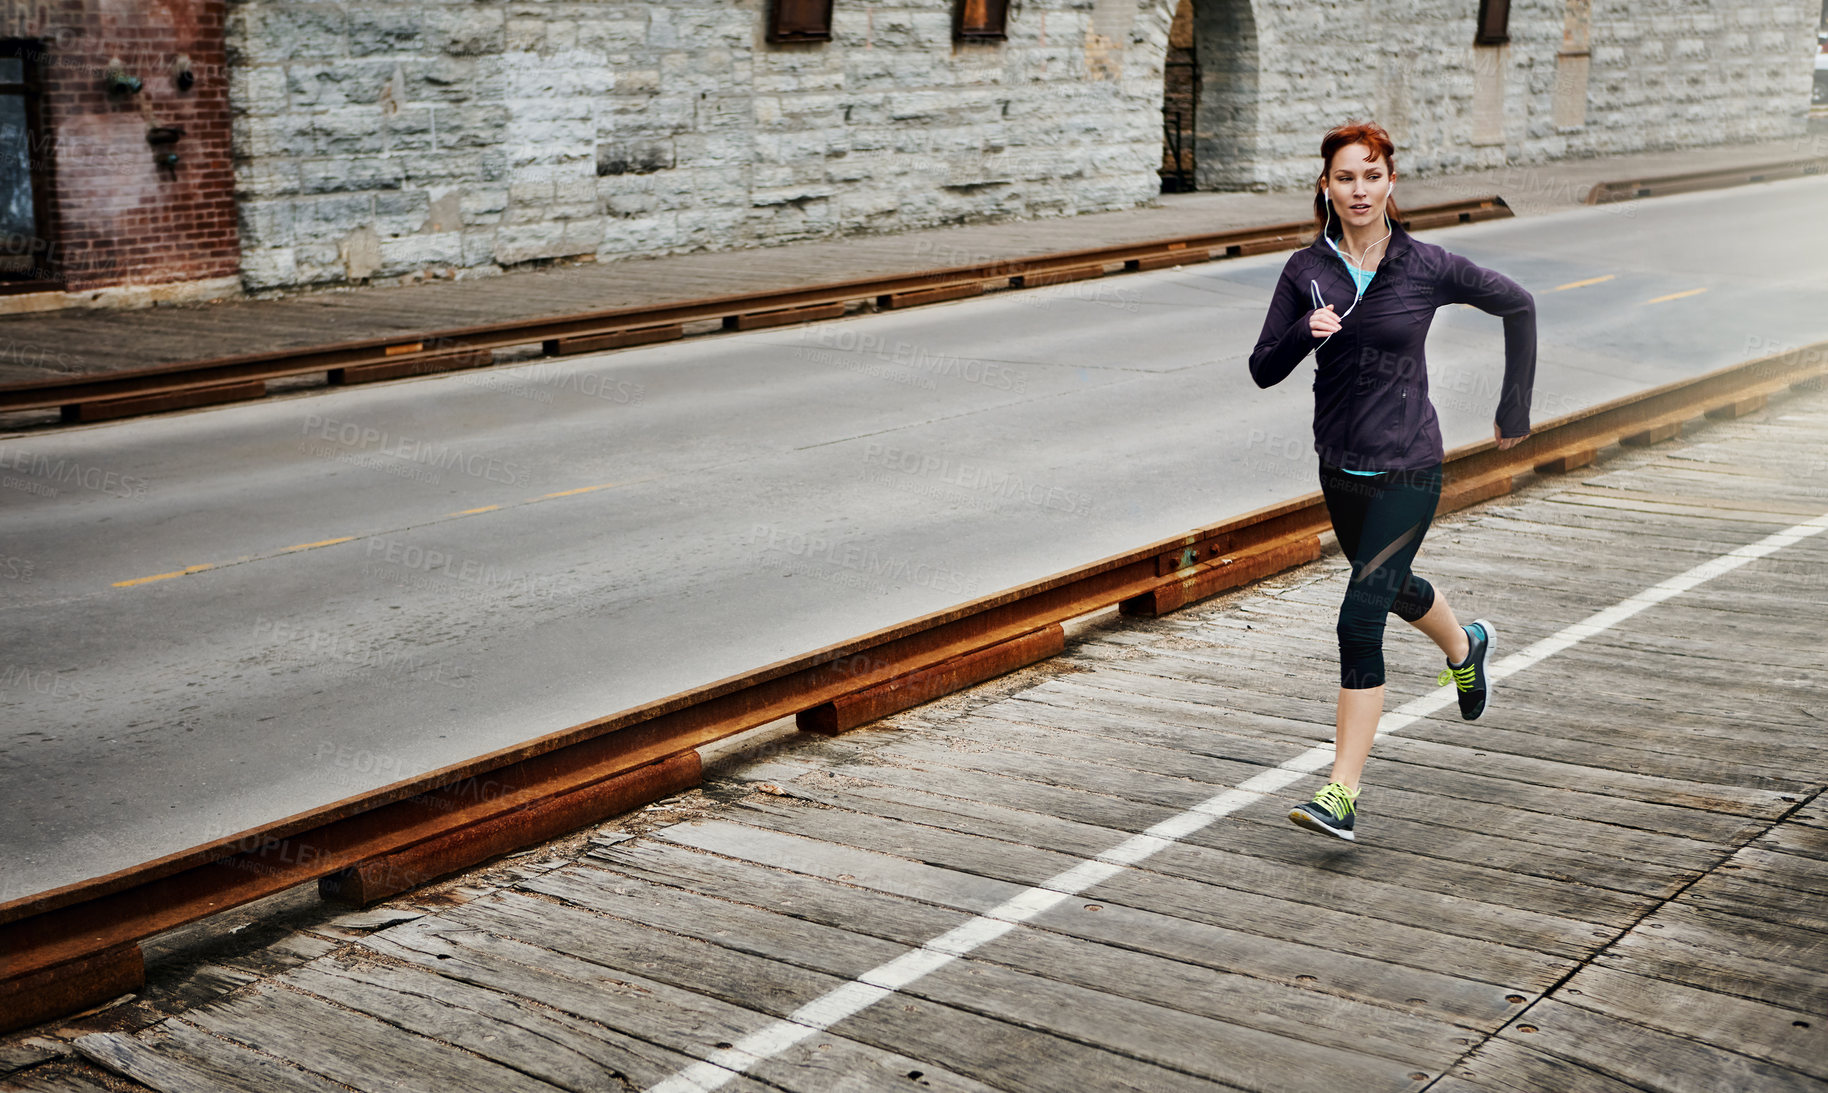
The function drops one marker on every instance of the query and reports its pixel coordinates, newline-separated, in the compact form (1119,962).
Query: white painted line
(880,982)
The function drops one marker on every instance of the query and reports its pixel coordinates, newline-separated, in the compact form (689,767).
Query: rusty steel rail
(1628,189)
(67,948)
(167,387)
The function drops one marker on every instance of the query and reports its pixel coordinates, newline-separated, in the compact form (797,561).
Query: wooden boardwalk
(1617,880)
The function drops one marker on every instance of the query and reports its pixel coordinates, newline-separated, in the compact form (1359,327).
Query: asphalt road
(385,580)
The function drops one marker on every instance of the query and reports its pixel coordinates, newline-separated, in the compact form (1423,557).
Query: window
(1494,23)
(800,21)
(980,20)
(24,167)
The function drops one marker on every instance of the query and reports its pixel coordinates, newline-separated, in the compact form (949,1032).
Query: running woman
(1361,298)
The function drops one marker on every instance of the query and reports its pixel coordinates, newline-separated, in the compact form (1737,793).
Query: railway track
(239,378)
(69,948)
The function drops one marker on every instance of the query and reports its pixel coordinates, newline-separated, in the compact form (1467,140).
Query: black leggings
(1380,520)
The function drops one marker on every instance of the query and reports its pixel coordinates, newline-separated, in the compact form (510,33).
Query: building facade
(116,159)
(394,139)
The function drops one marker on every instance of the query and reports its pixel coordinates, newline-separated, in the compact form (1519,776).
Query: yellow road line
(319,543)
(1584,284)
(568,493)
(187,570)
(1677,295)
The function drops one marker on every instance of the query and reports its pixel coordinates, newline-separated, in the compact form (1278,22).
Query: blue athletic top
(1361,280)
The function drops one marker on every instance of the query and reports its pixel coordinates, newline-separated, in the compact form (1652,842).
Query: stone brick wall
(398,138)
(116,217)
(395,136)
(1658,75)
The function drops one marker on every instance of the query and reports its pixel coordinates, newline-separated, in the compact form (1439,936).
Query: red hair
(1370,135)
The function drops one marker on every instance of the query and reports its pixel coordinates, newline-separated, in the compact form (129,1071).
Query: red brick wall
(117,217)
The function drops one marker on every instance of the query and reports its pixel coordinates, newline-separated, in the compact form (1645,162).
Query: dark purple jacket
(1371,408)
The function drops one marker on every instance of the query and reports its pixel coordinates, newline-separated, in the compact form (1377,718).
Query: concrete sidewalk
(47,345)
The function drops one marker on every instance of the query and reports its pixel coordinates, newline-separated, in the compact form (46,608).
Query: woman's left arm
(1462,282)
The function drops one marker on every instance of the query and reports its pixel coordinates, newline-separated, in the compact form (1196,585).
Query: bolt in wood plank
(1647,1058)
(1778,966)
(1792,1038)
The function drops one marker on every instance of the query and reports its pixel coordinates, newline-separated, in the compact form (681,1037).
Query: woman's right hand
(1324,322)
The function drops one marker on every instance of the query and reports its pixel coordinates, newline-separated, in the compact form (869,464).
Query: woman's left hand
(1505,442)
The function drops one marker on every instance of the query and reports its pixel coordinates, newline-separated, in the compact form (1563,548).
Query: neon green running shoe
(1469,677)
(1331,812)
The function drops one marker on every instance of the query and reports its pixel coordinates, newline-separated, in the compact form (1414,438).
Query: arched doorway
(1209,98)
(1180,102)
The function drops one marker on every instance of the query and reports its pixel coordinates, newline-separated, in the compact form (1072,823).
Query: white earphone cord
(1357,293)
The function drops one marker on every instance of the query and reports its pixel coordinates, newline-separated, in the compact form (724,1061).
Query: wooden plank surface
(1617,879)
(643,1024)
